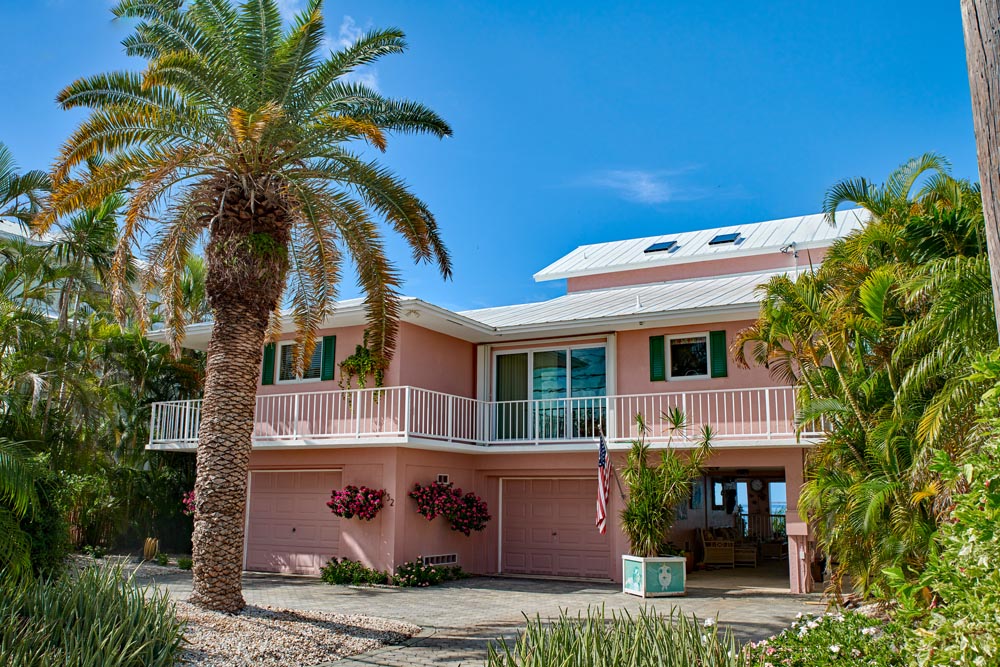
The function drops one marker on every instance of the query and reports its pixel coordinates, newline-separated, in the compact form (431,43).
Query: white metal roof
(755,238)
(661,300)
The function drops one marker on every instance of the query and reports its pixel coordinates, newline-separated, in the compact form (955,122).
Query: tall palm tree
(239,135)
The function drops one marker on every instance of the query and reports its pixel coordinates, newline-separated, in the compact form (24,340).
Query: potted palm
(654,491)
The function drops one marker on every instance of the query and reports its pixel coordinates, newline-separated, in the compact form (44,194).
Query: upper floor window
(688,356)
(286,363)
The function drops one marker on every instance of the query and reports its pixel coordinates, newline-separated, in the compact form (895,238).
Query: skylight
(662,246)
(724,238)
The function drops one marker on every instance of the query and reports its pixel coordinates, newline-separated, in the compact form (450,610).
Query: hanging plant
(361,365)
(465,513)
(357,501)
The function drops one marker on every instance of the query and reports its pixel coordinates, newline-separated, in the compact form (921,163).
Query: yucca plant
(645,640)
(98,617)
(655,491)
(242,136)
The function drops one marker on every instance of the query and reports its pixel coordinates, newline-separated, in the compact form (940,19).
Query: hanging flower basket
(465,513)
(357,501)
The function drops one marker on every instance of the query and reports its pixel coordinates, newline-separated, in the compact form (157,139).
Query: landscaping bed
(269,637)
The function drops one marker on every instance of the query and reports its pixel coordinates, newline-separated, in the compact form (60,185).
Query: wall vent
(441,559)
(443,479)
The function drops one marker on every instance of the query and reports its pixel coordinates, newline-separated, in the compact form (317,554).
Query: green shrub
(649,640)
(162,559)
(185,563)
(954,604)
(849,639)
(418,573)
(95,618)
(95,551)
(47,528)
(347,571)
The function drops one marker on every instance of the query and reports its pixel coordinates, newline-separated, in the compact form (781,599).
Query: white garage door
(548,529)
(290,528)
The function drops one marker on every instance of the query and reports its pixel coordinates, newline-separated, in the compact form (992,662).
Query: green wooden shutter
(267,371)
(657,359)
(717,347)
(329,355)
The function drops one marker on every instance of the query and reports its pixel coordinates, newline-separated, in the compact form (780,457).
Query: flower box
(655,576)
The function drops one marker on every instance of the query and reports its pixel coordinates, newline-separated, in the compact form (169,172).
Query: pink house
(507,402)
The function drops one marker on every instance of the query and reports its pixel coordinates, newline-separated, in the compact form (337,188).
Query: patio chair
(717,552)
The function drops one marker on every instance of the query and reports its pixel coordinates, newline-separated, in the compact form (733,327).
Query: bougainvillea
(188,501)
(465,513)
(356,501)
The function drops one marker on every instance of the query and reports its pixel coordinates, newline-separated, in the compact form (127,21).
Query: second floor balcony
(400,415)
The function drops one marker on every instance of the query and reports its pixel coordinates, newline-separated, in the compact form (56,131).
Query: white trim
(298,379)
(500,519)
(708,356)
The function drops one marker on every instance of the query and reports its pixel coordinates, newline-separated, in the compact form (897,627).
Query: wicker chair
(717,552)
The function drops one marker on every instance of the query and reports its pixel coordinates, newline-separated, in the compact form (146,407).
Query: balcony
(397,415)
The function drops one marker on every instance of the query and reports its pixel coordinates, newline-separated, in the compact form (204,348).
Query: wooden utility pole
(981,24)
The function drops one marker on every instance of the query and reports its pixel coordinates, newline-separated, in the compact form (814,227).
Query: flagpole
(614,471)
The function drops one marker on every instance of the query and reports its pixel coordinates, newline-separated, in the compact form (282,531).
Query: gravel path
(269,637)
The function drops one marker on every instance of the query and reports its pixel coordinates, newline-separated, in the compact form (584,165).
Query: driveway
(460,617)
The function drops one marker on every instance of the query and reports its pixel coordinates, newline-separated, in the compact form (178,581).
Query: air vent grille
(441,559)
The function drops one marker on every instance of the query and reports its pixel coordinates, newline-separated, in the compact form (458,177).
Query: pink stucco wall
(716,267)
(423,358)
(399,534)
(432,360)
(633,362)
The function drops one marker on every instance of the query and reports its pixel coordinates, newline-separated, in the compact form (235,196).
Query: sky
(580,121)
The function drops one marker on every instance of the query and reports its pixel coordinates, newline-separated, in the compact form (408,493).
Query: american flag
(603,486)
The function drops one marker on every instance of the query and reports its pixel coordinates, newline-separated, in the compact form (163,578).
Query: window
(550,394)
(725,238)
(660,247)
(688,357)
(286,363)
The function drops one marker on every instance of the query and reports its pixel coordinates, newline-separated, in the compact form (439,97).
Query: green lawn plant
(185,563)
(98,617)
(595,640)
(655,491)
(344,571)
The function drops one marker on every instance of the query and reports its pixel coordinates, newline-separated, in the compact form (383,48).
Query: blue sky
(583,121)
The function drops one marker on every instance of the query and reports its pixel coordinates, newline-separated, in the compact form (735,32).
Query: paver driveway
(460,617)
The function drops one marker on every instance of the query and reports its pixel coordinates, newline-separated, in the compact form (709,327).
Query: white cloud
(349,33)
(647,186)
(289,8)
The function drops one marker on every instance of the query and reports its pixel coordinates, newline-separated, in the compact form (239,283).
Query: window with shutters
(286,363)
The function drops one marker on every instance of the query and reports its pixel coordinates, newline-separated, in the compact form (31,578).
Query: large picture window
(688,357)
(286,363)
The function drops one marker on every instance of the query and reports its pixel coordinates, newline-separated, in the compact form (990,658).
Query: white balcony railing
(400,413)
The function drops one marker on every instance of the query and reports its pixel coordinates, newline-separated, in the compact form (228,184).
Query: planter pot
(656,576)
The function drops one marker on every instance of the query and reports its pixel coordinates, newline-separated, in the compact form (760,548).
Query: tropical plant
(18,501)
(238,134)
(649,639)
(20,194)
(99,616)
(879,340)
(654,492)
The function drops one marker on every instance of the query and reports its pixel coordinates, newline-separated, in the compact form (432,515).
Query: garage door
(290,528)
(548,529)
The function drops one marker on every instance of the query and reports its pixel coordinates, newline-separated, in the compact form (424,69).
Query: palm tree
(239,135)
(20,194)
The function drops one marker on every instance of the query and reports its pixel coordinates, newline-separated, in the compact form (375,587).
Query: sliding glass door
(550,394)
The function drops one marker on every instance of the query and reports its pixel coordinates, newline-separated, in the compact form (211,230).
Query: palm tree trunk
(247,264)
(981,24)
(224,443)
